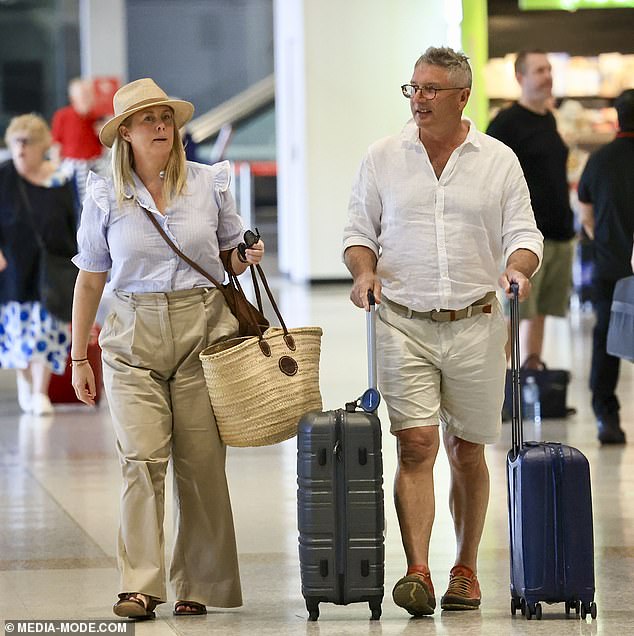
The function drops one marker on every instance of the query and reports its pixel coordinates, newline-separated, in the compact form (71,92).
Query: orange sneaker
(415,593)
(463,592)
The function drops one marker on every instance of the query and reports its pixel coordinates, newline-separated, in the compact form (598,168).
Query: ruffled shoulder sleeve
(229,228)
(221,176)
(97,192)
(94,252)
(217,175)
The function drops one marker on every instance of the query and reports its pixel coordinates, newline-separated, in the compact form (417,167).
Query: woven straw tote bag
(261,386)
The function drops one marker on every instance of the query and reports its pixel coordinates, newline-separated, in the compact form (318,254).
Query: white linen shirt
(440,241)
(201,222)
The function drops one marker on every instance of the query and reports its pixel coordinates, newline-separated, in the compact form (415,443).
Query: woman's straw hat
(137,95)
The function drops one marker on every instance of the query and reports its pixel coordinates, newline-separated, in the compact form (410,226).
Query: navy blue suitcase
(550,516)
(340,510)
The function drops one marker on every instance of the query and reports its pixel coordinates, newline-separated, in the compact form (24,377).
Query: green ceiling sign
(573,5)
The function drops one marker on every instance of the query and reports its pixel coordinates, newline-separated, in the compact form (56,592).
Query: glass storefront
(39,54)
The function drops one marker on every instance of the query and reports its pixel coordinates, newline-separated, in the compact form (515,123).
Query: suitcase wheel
(589,609)
(515,605)
(375,608)
(313,609)
(534,610)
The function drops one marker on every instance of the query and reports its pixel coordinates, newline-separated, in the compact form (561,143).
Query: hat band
(141,104)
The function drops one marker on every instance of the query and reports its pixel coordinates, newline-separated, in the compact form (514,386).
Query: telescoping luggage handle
(371,398)
(371,324)
(517,429)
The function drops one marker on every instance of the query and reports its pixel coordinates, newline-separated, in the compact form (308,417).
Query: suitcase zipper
(560,557)
(341,529)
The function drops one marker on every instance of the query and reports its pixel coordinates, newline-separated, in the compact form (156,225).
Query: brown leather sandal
(189,608)
(134,605)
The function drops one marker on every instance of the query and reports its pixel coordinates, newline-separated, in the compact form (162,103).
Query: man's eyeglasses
(428,92)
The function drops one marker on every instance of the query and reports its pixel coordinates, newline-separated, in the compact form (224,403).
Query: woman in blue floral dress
(32,192)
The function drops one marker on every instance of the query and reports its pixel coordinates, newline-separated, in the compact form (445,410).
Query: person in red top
(73,131)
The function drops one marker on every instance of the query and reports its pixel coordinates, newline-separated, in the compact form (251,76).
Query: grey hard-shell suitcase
(340,501)
(550,516)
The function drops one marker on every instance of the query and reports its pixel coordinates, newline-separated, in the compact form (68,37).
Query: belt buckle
(443,316)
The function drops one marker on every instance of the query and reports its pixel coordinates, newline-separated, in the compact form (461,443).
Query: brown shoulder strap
(186,258)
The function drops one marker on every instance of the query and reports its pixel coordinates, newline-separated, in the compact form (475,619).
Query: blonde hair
(32,124)
(122,161)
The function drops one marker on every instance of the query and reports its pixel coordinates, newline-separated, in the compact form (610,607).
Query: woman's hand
(253,256)
(84,382)
(255,253)
(3,262)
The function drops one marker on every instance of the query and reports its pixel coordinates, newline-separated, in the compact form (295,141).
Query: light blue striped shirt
(201,222)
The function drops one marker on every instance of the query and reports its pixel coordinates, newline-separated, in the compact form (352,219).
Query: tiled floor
(59,483)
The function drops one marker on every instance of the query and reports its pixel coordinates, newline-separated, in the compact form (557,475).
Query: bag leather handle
(288,338)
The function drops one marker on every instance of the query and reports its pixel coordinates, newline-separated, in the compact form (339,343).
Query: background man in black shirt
(528,127)
(606,201)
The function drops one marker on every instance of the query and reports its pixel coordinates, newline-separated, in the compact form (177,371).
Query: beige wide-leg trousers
(161,411)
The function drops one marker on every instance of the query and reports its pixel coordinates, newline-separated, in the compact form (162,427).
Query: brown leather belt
(482,306)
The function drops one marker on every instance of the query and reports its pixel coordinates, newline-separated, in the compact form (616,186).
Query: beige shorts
(447,373)
(552,284)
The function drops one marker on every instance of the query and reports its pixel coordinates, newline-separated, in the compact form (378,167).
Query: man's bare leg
(532,336)
(415,507)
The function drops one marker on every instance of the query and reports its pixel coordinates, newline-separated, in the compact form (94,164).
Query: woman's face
(150,132)
(27,151)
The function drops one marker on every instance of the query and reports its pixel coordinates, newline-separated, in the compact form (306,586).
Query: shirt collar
(410,133)
(139,192)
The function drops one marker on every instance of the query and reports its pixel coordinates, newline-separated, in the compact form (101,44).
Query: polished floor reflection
(59,484)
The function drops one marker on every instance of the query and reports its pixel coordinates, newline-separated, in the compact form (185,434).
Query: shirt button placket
(443,266)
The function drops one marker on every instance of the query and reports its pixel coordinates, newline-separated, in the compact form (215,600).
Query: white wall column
(103,39)
(338,68)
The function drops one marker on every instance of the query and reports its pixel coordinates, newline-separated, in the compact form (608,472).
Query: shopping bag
(260,386)
(621,328)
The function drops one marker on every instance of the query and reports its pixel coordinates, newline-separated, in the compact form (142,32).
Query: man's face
(82,97)
(537,80)
(443,109)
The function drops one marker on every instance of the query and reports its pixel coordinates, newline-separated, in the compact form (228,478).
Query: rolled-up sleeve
(519,230)
(94,254)
(364,210)
(229,222)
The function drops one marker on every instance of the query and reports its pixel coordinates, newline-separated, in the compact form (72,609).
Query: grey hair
(456,63)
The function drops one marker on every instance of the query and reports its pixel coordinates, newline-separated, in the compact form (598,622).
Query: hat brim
(183,112)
